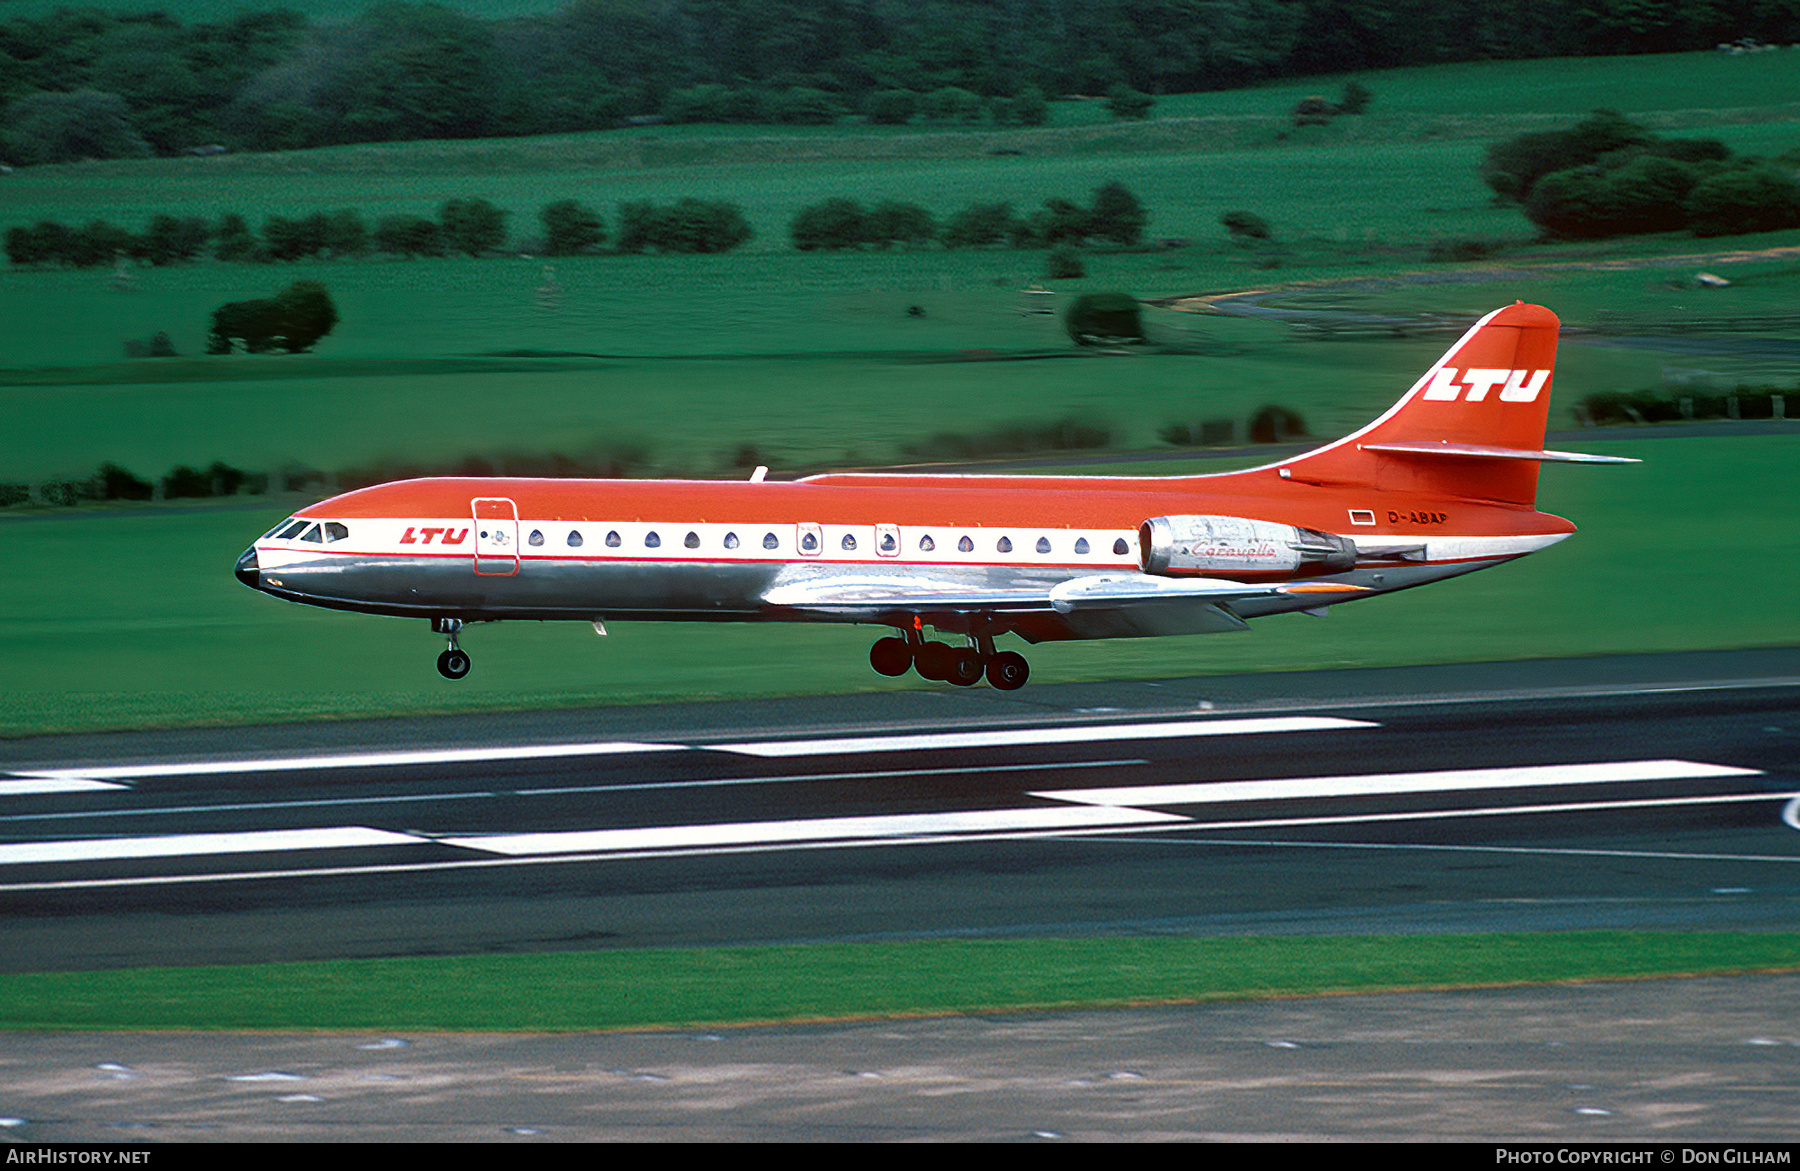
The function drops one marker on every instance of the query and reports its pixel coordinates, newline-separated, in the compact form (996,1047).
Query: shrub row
(1674,406)
(112,482)
(1115,215)
(473,227)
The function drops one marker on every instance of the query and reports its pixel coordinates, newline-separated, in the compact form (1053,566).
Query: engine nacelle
(1192,545)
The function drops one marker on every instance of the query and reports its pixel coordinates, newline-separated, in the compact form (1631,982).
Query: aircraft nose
(247,570)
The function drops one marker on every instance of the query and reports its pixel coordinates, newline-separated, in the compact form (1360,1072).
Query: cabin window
(809,543)
(731,540)
(848,543)
(574,539)
(536,537)
(1003,545)
(926,544)
(1120,548)
(889,543)
(771,541)
(1043,545)
(652,541)
(966,545)
(312,535)
(612,539)
(692,540)
(1081,546)
(335,531)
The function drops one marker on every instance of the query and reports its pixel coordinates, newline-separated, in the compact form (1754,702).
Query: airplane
(1444,483)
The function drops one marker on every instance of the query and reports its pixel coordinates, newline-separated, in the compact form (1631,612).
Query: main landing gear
(964,666)
(453,663)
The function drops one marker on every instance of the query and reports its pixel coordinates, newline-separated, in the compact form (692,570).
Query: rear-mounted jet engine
(1177,546)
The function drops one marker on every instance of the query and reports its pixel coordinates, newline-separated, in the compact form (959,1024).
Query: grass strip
(663,988)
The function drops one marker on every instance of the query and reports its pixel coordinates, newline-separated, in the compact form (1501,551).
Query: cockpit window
(312,535)
(335,531)
(292,531)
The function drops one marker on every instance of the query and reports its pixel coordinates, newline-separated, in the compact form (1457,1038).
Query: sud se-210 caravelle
(1442,484)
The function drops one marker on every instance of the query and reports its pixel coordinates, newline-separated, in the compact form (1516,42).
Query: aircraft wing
(1094,606)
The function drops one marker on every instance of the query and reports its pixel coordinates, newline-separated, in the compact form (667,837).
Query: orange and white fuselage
(1442,484)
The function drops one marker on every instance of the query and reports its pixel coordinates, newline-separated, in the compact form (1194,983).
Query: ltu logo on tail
(1516,386)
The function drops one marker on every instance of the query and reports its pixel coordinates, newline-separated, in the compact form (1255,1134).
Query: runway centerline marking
(33,786)
(1385,784)
(196,768)
(808,830)
(202,845)
(1004,738)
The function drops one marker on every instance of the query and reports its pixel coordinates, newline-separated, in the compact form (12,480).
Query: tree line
(85,83)
(568,227)
(469,226)
(1115,215)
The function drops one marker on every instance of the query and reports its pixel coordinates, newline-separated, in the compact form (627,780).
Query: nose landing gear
(939,661)
(454,662)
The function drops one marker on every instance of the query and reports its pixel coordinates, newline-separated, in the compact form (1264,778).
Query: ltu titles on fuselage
(1443,484)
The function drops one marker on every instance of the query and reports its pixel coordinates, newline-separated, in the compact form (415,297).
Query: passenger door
(496,536)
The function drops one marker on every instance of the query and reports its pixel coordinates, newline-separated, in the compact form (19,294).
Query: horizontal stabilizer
(1481,451)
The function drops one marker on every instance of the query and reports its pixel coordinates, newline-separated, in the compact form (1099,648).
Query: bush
(978,225)
(952,104)
(1245,225)
(472,226)
(1104,319)
(409,236)
(169,240)
(293,320)
(1117,215)
(1064,264)
(46,242)
(699,225)
(287,239)
(906,224)
(891,107)
(1355,98)
(1127,104)
(118,484)
(1588,203)
(1512,168)
(1755,198)
(233,240)
(1273,424)
(836,223)
(1312,111)
(571,228)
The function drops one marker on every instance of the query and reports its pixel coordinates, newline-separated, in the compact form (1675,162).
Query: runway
(1642,792)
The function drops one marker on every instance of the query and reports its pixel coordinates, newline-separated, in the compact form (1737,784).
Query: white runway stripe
(192,845)
(823,829)
(1092,733)
(1379,784)
(348,760)
(31,785)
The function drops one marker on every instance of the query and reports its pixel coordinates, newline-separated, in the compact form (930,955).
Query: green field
(128,616)
(755,985)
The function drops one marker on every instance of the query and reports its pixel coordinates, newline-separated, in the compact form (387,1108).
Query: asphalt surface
(1648,792)
(1087,809)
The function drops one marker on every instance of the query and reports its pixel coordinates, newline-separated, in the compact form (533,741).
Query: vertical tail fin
(1472,427)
